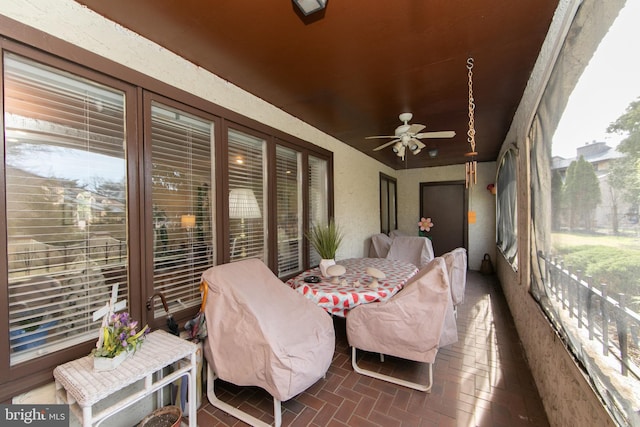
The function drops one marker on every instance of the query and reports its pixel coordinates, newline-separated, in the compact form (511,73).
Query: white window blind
(318,199)
(65,167)
(289,208)
(182,211)
(247,196)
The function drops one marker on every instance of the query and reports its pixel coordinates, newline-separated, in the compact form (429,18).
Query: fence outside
(605,316)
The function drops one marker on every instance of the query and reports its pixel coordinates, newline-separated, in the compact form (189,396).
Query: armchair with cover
(380,244)
(414,249)
(263,333)
(412,325)
(456,261)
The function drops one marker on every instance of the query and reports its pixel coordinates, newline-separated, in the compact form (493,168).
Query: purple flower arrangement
(120,334)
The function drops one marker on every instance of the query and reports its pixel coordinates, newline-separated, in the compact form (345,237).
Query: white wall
(482,233)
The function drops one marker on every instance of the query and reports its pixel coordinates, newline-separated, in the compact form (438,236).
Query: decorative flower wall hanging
(425,225)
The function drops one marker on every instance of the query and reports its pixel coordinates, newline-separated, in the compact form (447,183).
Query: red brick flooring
(482,380)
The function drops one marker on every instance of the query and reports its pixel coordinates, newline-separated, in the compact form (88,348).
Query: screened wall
(594,321)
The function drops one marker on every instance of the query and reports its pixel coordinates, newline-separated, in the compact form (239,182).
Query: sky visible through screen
(608,85)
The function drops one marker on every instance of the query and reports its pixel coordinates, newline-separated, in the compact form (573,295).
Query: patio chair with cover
(380,244)
(413,324)
(456,261)
(414,249)
(263,333)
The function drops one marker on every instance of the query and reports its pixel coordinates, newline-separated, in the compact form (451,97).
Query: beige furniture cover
(395,233)
(412,325)
(263,333)
(456,261)
(414,249)
(380,244)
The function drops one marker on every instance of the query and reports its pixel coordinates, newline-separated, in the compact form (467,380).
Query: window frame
(36,45)
(146,233)
(385,182)
(17,373)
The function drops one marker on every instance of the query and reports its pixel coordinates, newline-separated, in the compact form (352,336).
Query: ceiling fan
(408,137)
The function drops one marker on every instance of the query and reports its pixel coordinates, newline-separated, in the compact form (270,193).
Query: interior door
(446,204)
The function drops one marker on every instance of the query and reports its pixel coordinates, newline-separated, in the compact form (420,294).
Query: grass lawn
(564,240)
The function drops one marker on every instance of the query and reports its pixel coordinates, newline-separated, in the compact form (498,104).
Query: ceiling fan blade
(380,136)
(415,128)
(385,145)
(440,134)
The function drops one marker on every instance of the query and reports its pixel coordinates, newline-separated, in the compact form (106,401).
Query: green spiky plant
(325,238)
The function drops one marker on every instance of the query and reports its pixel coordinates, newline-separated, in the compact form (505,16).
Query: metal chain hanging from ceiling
(471,164)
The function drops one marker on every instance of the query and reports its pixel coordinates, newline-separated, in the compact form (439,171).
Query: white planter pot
(109,363)
(324,264)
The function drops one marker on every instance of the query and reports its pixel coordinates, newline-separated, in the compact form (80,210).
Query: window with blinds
(247,196)
(65,168)
(318,199)
(289,208)
(181,147)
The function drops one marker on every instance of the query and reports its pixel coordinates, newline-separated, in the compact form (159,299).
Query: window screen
(506,224)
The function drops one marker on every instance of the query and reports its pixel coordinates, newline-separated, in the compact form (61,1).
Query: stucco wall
(482,233)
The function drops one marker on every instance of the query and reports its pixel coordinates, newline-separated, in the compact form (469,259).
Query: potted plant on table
(118,339)
(325,239)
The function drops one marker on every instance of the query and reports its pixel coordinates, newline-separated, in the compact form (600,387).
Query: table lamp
(242,205)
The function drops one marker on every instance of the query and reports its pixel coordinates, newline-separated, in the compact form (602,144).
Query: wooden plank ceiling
(352,68)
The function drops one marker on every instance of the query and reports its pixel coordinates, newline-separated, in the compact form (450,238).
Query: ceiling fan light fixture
(307,7)
(397,147)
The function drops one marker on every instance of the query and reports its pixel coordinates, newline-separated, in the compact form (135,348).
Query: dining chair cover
(456,261)
(414,249)
(413,324)
(263,333)
(395,233)
(380,244)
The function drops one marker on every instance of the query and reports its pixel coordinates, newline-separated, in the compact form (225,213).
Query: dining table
(338,295)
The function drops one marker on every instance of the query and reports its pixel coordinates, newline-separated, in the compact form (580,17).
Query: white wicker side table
(78,385)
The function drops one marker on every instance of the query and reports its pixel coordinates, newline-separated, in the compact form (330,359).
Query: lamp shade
(243,204)
(188,221)
(310,6)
